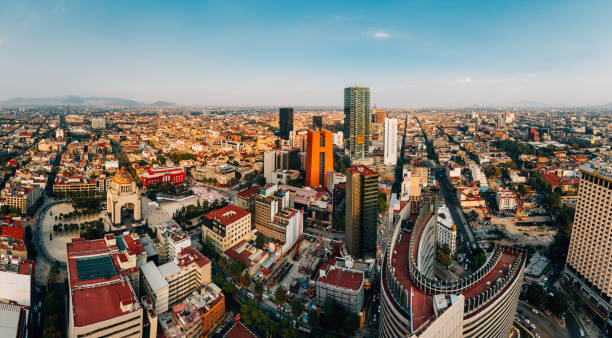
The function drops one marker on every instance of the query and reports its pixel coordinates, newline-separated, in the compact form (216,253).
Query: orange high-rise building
(319,157)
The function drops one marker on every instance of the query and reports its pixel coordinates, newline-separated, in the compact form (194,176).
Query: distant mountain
(162,104)
(80,101)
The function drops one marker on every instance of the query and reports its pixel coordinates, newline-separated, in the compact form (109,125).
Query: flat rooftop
(342,278)
(106,300)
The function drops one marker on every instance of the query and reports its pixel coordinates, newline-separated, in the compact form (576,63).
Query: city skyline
(409,54)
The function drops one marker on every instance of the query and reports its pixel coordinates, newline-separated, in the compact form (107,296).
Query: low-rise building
(506,199)
(227,226)
(171,282)
(344,286)
(168,175)
(171,240)
(247,253)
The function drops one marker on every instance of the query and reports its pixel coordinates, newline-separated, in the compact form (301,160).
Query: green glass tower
(357,121)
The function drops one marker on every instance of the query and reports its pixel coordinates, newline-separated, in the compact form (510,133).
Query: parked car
(534,311)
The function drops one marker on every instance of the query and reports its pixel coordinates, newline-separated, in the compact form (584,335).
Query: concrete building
(357,121)
(413,304)
(345,286)
(447,230)
(171,240)
(171,282)
(588,259)
(319,157)
(123,198)
(245,200)
(338,139)
(196,315)
(98,123)
(13,320)
(506,199)
(361,211)
(103,280)
(247,253)
(390,148)
(227,226)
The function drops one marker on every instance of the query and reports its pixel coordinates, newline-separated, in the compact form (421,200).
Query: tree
(382,202)
(558,303)
(245,280)
(296,307)
(259,242)
(479,259)
(536,295)
(236,268)
(259,289)
(280,296)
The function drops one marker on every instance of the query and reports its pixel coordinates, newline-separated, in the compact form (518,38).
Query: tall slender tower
(589,257)
(319,157)
(357,121)
(285,122)
(390,141)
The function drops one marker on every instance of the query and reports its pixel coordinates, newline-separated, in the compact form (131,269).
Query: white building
(390,141)
(447,230)
(506,199)
(479,176)
(334,178)
(344,286)
(338,139)
(269,165)
(172,240)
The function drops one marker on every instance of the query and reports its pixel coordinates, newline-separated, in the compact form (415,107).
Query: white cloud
(381,35)
(465,79)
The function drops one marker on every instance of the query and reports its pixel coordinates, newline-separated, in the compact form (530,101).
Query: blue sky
(410,53)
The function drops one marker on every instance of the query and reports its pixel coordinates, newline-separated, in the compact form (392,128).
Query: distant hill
(80,101)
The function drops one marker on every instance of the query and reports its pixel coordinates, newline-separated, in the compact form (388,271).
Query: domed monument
(123,198)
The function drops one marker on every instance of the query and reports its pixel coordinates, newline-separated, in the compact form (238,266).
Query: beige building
(227,226)
(590,255)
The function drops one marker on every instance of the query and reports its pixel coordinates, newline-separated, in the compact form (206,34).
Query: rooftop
(227,215)
(108,300)
(343,278)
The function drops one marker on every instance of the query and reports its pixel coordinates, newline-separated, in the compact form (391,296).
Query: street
(546,327)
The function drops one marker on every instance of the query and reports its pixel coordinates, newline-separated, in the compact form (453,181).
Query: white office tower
(390,141)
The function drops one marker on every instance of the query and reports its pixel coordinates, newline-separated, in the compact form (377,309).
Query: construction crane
(304,269)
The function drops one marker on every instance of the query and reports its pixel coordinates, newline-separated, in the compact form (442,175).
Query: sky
(303,53)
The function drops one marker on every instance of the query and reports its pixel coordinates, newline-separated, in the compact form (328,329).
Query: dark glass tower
(285,122)
(317,122)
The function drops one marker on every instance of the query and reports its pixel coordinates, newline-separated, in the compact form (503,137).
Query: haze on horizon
(304,53)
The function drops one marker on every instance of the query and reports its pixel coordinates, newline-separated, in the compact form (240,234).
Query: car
(536,335)
(527,321)
(534,311)
(581,333)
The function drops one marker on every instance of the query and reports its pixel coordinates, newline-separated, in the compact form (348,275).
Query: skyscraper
(317,122)
(589,257)
(379,116)
(319,157)
(357,121)
(361,211)
(390,141)
(285,122)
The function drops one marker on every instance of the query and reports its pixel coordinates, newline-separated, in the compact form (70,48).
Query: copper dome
(123,177)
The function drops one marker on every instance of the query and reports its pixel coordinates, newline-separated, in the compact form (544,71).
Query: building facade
(361,210)
(344,286)
(123,196)
(589,257)
(155,176)
(414,304)
(319,157)
(227,226)
(357,121)
(390,141)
